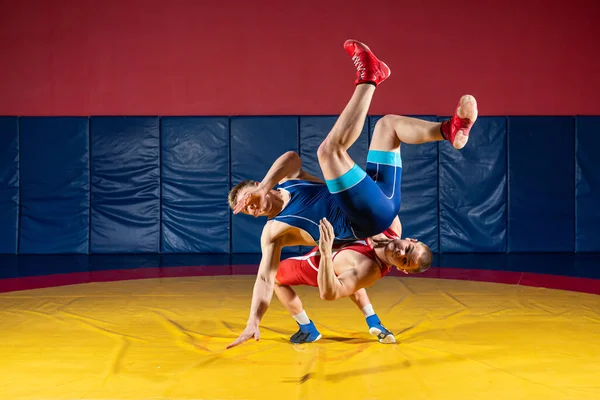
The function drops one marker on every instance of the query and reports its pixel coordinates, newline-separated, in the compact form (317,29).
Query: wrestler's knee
(387,122)
(329,151)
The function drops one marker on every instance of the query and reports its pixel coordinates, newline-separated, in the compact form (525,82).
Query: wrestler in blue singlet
(358,204)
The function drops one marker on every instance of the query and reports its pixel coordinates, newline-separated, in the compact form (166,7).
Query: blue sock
(373,320)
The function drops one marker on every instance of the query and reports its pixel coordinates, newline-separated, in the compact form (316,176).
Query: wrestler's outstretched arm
(287,165)
(264,285)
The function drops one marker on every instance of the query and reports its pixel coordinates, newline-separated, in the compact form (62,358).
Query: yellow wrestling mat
(166,338)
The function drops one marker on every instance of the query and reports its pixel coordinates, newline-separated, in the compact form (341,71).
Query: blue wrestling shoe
(377,329)
(308,333)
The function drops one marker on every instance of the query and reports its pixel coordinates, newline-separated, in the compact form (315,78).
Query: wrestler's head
(271,202)
(408,255)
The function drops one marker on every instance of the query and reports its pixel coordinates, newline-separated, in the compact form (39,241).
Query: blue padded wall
(473,190)
(9,185)
(195,184)
(125,185)
(313,131)
(55,185)
(419,207)
(148,185)
(541,184)
(588,184)
(256,142)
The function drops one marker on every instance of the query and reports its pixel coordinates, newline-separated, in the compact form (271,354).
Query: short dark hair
(233,193)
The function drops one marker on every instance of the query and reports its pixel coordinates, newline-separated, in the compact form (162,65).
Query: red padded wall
(91,57)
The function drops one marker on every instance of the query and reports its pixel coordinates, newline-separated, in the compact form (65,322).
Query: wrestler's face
(404,254)
(253,209)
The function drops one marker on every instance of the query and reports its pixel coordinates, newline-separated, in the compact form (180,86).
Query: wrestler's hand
(250,332)
(327,237)
(255,198)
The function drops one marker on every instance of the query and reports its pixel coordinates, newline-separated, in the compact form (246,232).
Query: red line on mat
(585,285)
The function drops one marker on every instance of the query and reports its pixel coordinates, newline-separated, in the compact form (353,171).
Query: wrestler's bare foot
(456,129)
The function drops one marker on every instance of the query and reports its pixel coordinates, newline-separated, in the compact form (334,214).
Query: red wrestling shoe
(369,69)
(456,129)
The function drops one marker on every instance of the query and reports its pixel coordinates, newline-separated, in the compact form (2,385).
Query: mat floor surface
(165,338)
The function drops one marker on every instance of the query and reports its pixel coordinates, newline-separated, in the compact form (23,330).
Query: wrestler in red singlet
(303,270)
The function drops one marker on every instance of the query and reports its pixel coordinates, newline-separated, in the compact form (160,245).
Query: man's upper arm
(291,159)
(270,245)
(308,177)
(363,274)
(397,226)
(302,175)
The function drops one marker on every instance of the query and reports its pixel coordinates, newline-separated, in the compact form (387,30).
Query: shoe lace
(359,66)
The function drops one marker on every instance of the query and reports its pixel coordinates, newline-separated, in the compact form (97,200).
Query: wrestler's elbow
(340,290)
(291,155)
(329,295)
(294,164)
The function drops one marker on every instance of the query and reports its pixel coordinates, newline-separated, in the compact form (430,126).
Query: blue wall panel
(532,187)
(55,185)
(419,208)
(313,131)
(588,184)
(473,190)
(256,142)
(195,184)
(541,184)
(125,185)
(9,185)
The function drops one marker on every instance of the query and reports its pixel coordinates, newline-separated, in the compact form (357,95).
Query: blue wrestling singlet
(309,203)
(358,204)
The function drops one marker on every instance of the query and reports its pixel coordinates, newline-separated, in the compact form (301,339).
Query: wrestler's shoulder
(274,228)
